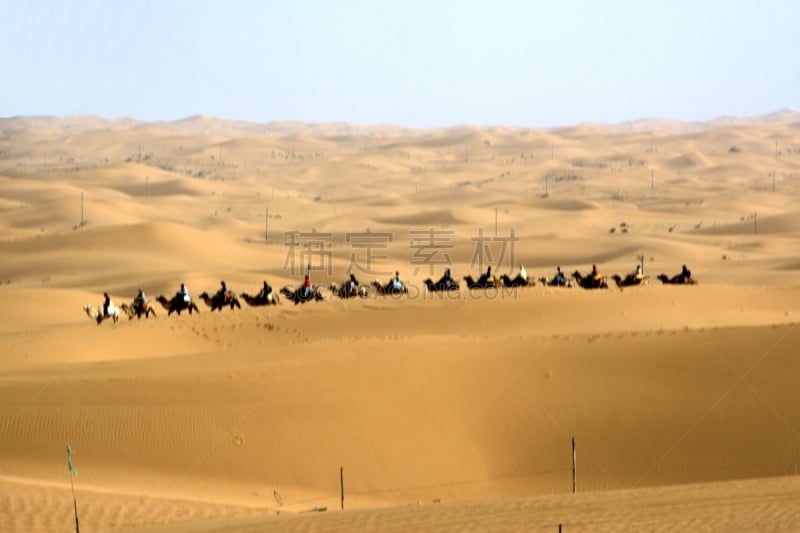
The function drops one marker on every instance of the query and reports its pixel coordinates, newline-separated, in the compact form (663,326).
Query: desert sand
(432,411)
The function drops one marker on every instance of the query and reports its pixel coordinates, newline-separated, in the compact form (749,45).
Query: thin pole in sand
(341,484)
(73,472)
(574,468)
(266,225)
(83,221)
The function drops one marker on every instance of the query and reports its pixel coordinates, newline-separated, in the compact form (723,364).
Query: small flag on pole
(71,468)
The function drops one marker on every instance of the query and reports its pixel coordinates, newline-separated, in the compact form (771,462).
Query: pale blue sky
(416,63)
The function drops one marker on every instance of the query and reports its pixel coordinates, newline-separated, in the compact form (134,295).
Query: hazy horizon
(430,64)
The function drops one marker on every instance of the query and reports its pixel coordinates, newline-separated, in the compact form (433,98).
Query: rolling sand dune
(440,411)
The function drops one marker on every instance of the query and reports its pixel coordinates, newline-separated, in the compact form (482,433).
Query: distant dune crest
(205,124)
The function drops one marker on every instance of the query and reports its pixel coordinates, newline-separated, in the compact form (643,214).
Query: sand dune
(445,411)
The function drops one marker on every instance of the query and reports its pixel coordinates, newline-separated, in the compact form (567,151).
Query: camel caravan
(351,288)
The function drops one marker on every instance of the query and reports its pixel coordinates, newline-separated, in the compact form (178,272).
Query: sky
(426,63)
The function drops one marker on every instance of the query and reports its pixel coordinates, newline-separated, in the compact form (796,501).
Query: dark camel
(518,281)
(483,282)
(589,282)
(298,295)
(441,285)
(628,281)
(218,301)
(177,304)
(677,279)
(260,299)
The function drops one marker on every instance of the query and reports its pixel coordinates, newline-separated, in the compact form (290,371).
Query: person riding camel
(139,301)
(183,294)
(559,279)
(488,278)
(266,290)
(352,285)
(107,304)
(397,284)
(223,292)
(447,279)
(685,274)
(307,287)
(638,274)
(595,273)
(523,274)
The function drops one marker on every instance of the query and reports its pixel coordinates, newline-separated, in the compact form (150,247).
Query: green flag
(69,461)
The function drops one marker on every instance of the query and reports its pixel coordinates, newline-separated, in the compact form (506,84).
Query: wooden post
(74,505)
(83,221)
(574,468)
(341,483)
(266,225)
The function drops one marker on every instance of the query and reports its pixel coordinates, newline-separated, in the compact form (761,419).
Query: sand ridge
(681,398)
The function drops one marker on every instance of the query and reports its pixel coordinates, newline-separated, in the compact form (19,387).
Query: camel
(177,304)
(554,282)
(389,288)
(342,290)
(259,299)
(218,301)
(629,281)
(96,313)
(589,282)
(133,310)
(483,282)
(441,285)
(297,295)
(677,279)
(518,281)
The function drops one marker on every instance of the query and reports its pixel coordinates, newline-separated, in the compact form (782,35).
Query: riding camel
(517,281)
(483,282)
(629,281)
(96,313)
(556,282)
(389,288)
(345,292)
(441,285)
(677,279)
(589,282)
(177,304)
(133,310)
(218,301)
(260,300)
(298,296)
